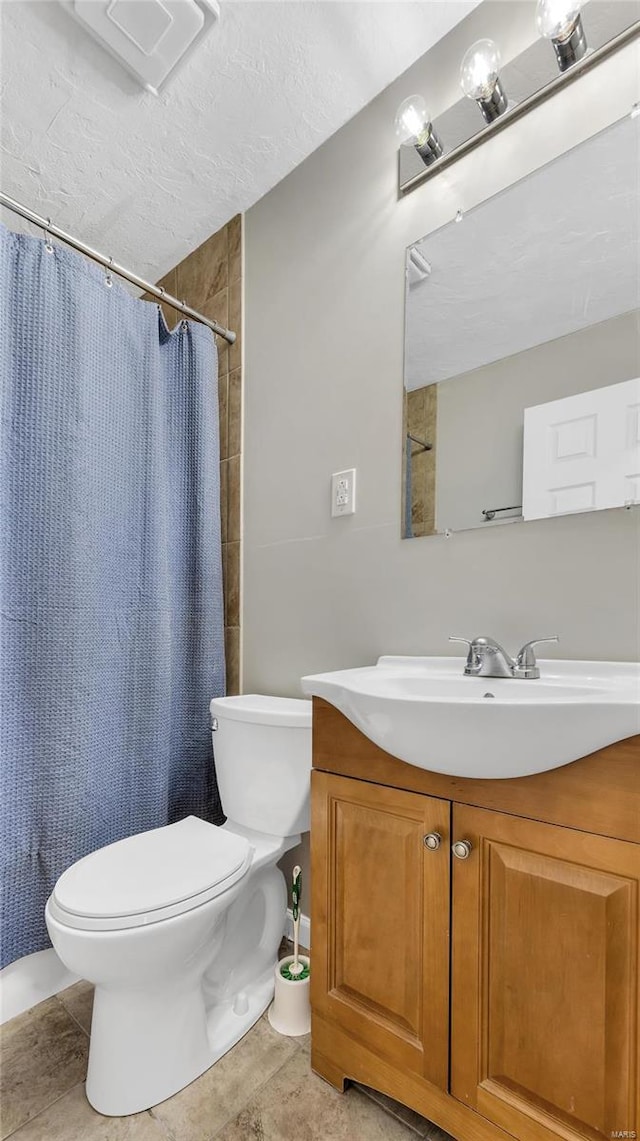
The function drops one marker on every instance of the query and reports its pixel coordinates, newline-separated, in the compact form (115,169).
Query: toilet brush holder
(290,1011)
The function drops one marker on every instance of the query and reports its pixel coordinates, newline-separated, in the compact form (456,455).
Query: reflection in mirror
(522,348)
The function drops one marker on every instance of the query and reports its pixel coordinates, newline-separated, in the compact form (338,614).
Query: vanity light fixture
(413,125)
(560,22)
(535,75)
(480,79)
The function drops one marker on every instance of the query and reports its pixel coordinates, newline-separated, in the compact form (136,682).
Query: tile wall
(210,280)
(420,418)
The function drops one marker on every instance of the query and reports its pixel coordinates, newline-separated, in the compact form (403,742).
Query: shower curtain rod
(109,264)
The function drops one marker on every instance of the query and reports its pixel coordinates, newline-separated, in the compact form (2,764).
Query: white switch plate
(343,492)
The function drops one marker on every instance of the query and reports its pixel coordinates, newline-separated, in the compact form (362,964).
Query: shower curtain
(111,612)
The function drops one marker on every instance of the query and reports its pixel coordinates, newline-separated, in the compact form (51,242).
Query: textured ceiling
(552,254)
(147,179)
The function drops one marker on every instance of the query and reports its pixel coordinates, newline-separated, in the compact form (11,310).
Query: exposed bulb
(413,121)
(480,69)
(556,19)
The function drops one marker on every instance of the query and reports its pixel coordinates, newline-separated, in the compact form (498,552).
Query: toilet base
(188,1046)
(148,1042)
(228,1027)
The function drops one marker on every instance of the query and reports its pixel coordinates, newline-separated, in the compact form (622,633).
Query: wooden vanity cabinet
(386,958)
(544,977)
(496,994)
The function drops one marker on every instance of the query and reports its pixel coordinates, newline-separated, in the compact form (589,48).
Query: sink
(426,712)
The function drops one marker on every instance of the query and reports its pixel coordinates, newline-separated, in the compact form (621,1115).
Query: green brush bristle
(285,971)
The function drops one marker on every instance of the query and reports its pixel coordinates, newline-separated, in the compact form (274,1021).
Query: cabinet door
(544,978)
(381,920)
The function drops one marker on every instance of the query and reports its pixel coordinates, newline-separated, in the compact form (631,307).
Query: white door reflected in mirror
(582,453)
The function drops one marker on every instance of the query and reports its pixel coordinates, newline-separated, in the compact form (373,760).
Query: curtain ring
(184,324)
(108,280)
(48,244)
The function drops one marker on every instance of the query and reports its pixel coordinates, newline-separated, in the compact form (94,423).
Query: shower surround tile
(232,651)
(235,248)
(235,322)
(205,271)
(234,426)
(232,584)
(210,280)
(43,1054)
(224,499)
(223,414)
(216,309)
(233,504)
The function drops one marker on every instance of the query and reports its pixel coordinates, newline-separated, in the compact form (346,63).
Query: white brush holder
(290,1011)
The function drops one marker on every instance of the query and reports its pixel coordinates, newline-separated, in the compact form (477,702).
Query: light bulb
(479,70)
(556,19)
(413,120)
(480,79)
(560,22)
(413,125)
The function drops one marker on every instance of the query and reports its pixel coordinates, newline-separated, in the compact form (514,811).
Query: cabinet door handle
(462,849)
(432,841)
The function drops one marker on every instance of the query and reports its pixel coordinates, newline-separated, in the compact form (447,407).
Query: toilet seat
(150,877)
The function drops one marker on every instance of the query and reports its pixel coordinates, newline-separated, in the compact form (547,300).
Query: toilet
(179,927)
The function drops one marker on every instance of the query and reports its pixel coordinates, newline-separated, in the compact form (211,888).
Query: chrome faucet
(487,658)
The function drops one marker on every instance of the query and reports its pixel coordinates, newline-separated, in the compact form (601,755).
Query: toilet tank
(262,751)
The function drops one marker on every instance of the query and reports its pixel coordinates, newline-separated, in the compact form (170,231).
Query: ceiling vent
(150,38)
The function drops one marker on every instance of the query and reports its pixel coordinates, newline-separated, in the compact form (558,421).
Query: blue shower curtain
(111,612)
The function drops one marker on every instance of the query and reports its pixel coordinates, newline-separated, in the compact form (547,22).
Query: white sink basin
(426,712)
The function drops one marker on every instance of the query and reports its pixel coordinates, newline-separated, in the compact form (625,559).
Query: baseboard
(30,980)
(305,929)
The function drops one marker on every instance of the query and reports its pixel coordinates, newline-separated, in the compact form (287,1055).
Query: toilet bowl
(179,927)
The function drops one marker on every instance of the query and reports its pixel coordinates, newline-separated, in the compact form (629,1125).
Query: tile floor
(262,1090)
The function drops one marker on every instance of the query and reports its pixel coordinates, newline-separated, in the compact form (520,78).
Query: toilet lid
(151,876)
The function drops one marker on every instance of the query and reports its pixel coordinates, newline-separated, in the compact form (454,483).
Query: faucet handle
(526,666)
(472,656)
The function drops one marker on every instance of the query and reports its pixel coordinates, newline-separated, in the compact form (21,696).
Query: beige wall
(324,301)
(210,280)
(492,399)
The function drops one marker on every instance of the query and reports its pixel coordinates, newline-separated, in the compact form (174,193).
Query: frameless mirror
(522,348)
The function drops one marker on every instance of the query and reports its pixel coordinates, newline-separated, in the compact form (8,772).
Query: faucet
(487,658)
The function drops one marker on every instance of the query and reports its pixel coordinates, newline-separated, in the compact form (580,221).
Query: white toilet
(179,927)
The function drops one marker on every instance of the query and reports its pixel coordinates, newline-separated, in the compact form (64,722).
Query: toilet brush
(297,970)
(290,1011)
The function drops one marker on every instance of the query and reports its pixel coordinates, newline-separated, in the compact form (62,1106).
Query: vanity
(476,940)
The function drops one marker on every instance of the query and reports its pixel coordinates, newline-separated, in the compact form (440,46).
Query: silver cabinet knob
(432,841)
(462,849)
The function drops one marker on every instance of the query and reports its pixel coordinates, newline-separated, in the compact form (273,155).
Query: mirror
(522,348)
